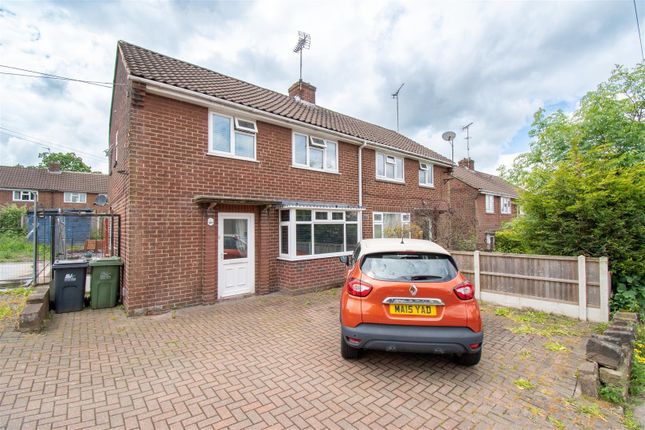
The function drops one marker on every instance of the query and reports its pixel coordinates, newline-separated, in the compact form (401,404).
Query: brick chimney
(468,163)
(305,91)
(54,167)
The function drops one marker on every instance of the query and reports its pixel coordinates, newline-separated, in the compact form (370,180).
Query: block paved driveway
(272,361)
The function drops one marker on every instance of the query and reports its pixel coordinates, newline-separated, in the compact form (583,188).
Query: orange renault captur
(407,295)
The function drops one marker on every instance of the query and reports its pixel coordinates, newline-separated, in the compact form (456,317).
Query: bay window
(389,167)
(390,224)
(306,233)
(315,153)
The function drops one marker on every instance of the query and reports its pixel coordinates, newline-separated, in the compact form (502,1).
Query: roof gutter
(164,89)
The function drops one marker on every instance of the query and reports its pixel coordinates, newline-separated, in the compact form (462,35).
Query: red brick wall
(383,196)
(490,222)
(169,249)
(52,200)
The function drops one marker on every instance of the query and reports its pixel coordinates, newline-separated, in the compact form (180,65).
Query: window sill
(315,170)
(391,181)
(490,213)
(233,157)
(426,185)
(314,257)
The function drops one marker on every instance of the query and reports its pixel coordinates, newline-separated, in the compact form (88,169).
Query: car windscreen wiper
(420,277)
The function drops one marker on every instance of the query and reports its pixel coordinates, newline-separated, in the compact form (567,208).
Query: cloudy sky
(491,63)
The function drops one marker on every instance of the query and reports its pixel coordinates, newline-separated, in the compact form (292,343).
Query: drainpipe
(360,185)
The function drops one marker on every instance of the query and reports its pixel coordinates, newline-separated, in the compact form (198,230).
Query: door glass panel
(236,238)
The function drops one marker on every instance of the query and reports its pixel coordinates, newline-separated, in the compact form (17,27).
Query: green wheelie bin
(104,282)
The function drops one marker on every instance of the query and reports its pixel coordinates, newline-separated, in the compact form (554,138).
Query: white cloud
(493,63)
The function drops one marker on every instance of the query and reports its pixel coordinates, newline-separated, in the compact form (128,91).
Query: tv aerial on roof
(304,42)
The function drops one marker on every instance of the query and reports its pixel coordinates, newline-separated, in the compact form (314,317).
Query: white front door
(236,262)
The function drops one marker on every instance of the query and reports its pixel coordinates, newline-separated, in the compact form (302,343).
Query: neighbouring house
(52,188)
(226,188)
(481,202)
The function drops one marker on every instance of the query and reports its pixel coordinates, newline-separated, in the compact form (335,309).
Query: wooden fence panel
(543,281)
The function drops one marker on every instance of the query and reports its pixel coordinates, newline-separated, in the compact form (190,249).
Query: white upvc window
(426,174)
(232,137)
(23,196)
(306,233)
(389,167)
(490,204)
(314,153)
(390,224)
(505,205)
(70,197)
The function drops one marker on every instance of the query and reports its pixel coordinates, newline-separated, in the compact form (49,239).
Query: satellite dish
(449,136)
(101,200)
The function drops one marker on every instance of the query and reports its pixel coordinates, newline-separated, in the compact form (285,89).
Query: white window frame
(68,197)
(390,159)
(240,127)
(490,203)
(429,168)
(505,205)
(378,218)
(292,223)
(31,196)
(233,128)
(318,143)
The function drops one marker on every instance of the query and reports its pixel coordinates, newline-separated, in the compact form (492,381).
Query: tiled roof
(33,178)
(485,182)
(150,65)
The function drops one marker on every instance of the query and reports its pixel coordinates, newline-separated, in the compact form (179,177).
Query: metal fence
(578,287)
(48,236)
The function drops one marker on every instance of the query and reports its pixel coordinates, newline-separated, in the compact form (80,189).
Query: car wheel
(347,352)
(469,359)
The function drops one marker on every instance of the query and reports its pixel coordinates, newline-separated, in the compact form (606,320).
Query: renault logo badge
(413,290)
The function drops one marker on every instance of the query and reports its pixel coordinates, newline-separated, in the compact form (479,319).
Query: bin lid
(107,261)
(69,264)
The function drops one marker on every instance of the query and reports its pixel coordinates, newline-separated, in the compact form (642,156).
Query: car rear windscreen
(406,266)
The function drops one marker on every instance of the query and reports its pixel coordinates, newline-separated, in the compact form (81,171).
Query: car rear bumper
(423,339)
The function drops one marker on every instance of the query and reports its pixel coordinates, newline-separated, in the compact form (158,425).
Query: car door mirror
(345,259)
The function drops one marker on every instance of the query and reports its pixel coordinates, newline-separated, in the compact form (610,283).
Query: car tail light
(358,288)
(465,291)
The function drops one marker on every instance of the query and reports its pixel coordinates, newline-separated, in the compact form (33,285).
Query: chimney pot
(304,90)
(53,167)
(468,163)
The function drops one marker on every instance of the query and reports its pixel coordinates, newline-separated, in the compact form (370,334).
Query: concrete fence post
(603,275)
(476,273)
(582,288)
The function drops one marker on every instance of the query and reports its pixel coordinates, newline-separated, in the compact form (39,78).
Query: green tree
(68,161)
(584,183)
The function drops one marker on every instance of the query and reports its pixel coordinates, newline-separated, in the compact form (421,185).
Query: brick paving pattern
(272,362)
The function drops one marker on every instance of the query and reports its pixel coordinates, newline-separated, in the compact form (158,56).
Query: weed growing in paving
(11,304)
(600,328)
(524,384)
(540,323)
(555,346)
(556,422)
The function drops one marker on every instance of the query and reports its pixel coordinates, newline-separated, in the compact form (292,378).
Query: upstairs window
(23,196)
(426,175)
(389,167)
(505,205)
(75,197)
(490,204)
(232,137)
(315,153)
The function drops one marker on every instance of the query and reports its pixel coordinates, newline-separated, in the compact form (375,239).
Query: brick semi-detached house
(484,201)
(55,189)
(226,188)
